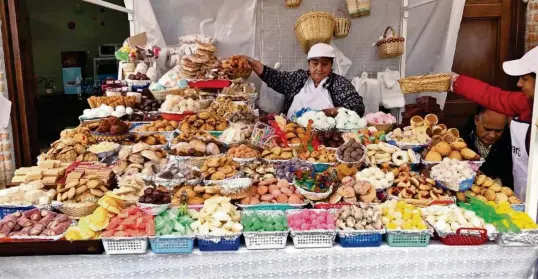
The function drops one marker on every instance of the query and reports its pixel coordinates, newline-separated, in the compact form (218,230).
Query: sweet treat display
(32,193)
(218,217)
(85,189)
(153,139)
(451,218)
(68,150)
(351,191)
(294,133)
(235,67)
(258,222)
(130,222)
(150,104)
(194,135)
(309,219)
(205,121)
(106,111)
(219,168)
(102,147)
(172,222)
(411,185)
(451,173)
(259,170)
(449,146)
(349,120)
(244,151)
(130,189)
(139,158)
(520,219)
(322,155)
(350,151)
(158,126)
(178,104)
(330,138)
(379,153)
(138,76)
(273,191)
(278,153)
(242,116)
(398,215)
(155,196)
(410,135)
(196,147)
(225,106)
(112,101)
(196,195)
(380,118)
(34,222)
(47,172)
(487,189)
(81,135)
(378,178)
(111,126)
(363,217)
(320,120)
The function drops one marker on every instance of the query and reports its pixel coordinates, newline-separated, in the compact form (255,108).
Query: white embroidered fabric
(434,261)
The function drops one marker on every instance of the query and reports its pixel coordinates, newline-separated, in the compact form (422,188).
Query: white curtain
(432,32)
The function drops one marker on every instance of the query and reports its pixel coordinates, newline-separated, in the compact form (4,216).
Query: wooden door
(487,37)
(20,80)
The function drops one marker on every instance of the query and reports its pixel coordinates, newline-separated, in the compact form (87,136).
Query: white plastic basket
(266,240)
(313,239)
(125,245)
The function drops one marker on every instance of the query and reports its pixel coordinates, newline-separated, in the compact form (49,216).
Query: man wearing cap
(517,105)
(318,88)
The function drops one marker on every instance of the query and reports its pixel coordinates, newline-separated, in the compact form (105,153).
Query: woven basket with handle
(358,8)
(314,27)
(343,25)
(426,83)
(293,3)
(390,47)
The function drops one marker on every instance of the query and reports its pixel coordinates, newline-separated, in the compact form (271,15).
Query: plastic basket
(8,209)
(271,206)
(408,239)
(171,244)
(477,236)
(347,239)
(266,240)
(224,244)
(313,239)
(125,245)
(324,205)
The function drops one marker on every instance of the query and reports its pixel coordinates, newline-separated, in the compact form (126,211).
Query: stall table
(434,261)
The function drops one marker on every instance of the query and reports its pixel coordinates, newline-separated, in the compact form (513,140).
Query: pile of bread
(202,64)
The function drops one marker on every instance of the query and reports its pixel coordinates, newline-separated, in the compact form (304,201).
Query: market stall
(437,261)
(175,173)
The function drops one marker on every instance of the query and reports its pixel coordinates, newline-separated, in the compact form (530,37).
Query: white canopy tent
(429,26)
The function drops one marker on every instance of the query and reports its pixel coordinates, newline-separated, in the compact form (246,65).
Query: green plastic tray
(408,239)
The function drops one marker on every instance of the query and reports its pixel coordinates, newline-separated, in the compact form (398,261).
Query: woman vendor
(318,88)
(513,104)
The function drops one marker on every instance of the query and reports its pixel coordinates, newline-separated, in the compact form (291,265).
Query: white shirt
(520,157)
(310,96)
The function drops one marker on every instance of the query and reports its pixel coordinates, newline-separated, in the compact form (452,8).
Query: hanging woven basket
(390,47)
(293,3)
(314,27)
(343,25)
(358,8)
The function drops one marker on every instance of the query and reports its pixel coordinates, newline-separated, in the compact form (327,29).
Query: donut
(400,157)
(411,155)
(385,147)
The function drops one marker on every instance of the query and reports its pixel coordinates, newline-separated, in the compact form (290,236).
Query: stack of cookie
(191,64)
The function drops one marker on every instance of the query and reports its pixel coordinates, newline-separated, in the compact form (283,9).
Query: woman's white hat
(525,65)
(321,50)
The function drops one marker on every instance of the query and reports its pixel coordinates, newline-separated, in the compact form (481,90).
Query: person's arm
(280,81)
(348,96)
(505,102)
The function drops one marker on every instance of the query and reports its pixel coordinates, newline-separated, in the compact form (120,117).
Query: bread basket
(293,3)
(426,83)
(390,47)
(314,27)
(358,8)
(342,27)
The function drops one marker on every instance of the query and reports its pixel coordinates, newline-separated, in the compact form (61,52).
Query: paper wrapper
(523,238)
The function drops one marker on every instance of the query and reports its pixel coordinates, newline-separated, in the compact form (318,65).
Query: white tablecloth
(434,261)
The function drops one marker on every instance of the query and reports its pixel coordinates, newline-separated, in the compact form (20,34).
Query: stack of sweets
(47,171)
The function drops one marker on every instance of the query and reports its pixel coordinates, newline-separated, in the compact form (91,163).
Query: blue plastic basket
(222,245)
(361,240)
(6,210)
(171,245)
(464,184)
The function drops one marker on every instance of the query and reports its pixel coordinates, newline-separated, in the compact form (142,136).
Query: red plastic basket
(324,205)
(210,84)
(466,239)
(175,116)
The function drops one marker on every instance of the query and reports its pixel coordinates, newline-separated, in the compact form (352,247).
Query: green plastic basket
(272,206)
(408,239)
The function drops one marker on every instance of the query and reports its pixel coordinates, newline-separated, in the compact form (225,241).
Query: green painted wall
(50,35)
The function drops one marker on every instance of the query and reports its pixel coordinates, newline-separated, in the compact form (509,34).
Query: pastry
(443,148)
(469,154)
(433,156)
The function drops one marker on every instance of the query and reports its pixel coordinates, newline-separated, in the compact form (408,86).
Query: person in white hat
(517,105)
(318,88)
